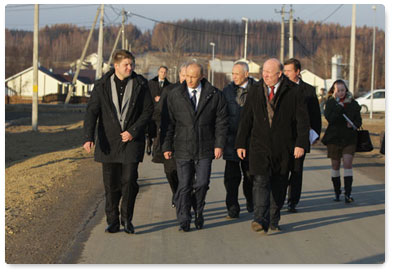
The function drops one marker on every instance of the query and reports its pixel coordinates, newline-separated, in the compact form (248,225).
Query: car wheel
(364,109)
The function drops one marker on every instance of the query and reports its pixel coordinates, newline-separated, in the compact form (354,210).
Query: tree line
(314,45)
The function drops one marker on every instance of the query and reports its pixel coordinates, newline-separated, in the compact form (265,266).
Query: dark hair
(163,66)
(295,62)
(121,54)
(332,90)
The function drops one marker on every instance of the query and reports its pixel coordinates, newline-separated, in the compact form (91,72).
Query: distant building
(319,82)
(21,84)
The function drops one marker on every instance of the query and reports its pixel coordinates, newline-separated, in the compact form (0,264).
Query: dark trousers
(120,180)
(295,182)
(187,183)
(268,194)
(170,168)
(232,179)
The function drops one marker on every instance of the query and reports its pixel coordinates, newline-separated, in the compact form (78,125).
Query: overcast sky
(20,16)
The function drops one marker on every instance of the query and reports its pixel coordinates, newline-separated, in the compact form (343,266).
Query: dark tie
(271,95)
(193,99)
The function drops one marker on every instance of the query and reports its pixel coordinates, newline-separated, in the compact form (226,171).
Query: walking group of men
(260,128)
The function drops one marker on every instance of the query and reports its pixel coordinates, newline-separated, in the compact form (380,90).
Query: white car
(378,101)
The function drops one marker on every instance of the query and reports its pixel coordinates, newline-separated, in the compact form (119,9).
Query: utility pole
(352,50)
(35,72)
(123,29)
(99,67)
(291,34)
(245,36)
(282,32)
(373,53)
(81,59)
(113,48)
(212,70)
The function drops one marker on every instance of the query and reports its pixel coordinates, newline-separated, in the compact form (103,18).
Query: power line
(46,8)
(331,13)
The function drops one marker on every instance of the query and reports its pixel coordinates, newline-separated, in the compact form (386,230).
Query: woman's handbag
(364,144)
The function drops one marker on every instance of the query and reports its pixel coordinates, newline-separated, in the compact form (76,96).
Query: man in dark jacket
(156,86)
(196,134)
(292,68)
(121,105)
(161,118)
(276,119)
(235,94)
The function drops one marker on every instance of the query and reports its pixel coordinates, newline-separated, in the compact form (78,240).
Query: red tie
(271,95)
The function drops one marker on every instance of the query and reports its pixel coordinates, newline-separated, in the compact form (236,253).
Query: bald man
(275,123)
(196,134)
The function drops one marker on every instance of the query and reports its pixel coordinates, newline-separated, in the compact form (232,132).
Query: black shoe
(257,227)
(337,198)
(250,207)
(185,227)
(148,151)
(232,215)
(291,208)
(173,205)
(275,228)
(348,199)
(112,228)
(199,220)
(128,227)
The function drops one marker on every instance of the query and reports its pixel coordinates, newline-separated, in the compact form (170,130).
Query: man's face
(289,71)
(239,76)
(193,76)
(162,73)
(271,73)
(124,68)
(183,74)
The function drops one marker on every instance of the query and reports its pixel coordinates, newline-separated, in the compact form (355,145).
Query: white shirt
(275,88)
(198,92)
(244,85)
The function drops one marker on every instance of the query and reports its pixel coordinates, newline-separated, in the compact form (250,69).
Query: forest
(314,45)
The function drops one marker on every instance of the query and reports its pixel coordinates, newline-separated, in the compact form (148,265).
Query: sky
(20,16)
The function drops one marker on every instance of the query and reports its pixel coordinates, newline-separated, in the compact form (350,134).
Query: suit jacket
(313,107)
(194,135)
(271,146)
(103,110)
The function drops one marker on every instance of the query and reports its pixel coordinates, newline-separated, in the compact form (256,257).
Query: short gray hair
(244,65)
(197,64)
(183,65)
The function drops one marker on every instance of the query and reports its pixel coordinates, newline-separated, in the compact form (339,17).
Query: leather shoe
(112,228)
(129,228)
(250,207)
(275,228)
(199,220)
(185,227)
(291,208)
(232,215)
(258,227)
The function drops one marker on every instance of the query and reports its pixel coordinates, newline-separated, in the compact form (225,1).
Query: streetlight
(373,51)
(212,70)
(245,37)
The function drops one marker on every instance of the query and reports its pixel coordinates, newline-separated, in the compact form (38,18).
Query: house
(21,84)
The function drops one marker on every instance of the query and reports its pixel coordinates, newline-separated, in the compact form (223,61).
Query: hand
(88,146)
(298,152)
(157,98)
(241,153)
(126,136)
(167,155)
(218,153)
(349,125)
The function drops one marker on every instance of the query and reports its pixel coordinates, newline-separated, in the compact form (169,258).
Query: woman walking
(343,115)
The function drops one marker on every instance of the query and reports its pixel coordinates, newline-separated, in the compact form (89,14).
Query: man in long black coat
(276,119)
(196,134)
(156,86)
(292,68)
(121,106)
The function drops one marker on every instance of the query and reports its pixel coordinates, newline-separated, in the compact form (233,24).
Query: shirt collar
(244,85)
(198,89)
(275,86)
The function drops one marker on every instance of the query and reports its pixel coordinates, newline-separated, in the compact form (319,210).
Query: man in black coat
(156,87)
(121,106)
(292,68)
(235,94)
(275,125)
(196,134)
(161,118)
